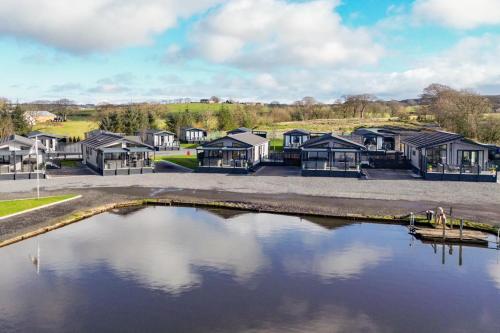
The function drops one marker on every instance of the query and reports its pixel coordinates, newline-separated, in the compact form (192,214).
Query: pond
(189,270)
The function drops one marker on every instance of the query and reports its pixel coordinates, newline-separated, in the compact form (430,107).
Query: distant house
(193,135)
(18,158)
(234,153)
(34,117)
(159,139)
(439,155)
(331,156)
(50,141)
(248,130)
(114,154)
(205,101)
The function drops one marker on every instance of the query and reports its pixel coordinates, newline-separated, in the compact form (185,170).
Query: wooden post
(451,218)
(444,229)
(461,228)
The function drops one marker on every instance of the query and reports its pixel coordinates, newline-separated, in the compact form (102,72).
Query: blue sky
(151,50)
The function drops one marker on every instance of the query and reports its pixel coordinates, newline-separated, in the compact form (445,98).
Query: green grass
(69,164)
(276,144)
(189,145)
(15,206)
(70,128)
(189,162)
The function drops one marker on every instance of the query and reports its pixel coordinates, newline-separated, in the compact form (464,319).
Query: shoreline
(79,215)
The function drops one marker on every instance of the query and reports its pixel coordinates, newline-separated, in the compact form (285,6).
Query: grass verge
(16,206)
(186,161)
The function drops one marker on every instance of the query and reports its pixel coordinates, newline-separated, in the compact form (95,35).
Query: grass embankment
(16,206)
(340,125)
(186,161)
(70,164)
(70,128)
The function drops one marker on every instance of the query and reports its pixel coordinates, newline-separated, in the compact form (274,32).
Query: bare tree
(359,103)
(308,101)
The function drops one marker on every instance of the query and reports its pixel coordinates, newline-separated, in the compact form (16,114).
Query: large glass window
(437,155)
(470,157)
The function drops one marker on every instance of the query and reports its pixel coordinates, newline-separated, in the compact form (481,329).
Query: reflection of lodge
(330,155)
(113,154)
(237,153)
(18,158)
(447,156)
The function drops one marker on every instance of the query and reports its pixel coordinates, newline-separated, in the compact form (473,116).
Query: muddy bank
(100,199)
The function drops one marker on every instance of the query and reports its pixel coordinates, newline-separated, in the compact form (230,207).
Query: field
(186,161)
(70,128)
(338,125)
(16,206)
(195,107)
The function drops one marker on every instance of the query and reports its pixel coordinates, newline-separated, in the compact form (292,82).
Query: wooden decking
(451,236)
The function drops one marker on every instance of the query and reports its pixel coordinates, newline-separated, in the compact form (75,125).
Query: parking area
(65,171)
(278,171)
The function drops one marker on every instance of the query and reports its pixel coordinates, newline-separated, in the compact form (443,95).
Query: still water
(167,269)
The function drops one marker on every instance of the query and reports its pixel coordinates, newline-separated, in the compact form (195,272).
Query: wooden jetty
(454,236)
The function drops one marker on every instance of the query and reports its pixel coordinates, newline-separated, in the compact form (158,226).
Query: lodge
(439,155)
(159,139)
(193,135)
(19,159)
(50,141)
(114,154)
(234,153)
(331,156)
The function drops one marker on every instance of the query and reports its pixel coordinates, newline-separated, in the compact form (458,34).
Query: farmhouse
(18,158)
(439,155)
(114,154)
(159,139)
(234,153)
(34,117)
(331,156)
(193,135)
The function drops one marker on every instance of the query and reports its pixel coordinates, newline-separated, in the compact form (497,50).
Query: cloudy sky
(131,50)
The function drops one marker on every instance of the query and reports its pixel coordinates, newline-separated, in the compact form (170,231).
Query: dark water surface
(167,269)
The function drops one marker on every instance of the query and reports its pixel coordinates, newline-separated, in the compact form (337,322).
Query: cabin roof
(240,130)
(249,139)
(329,137)
(192,129)
(105,139)
(428,139)
(297,131)
(38,133)
(157,131)
(14,138)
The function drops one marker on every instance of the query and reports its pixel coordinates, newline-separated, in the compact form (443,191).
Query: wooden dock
(451,236)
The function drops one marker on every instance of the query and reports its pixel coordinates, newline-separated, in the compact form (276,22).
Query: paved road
(481,194)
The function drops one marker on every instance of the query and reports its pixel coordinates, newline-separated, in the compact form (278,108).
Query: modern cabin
(234,153)
(331,156)
(383,147)
(248,130)
(19,159)
(114,154)
(193,135)
(159,139)
(292,142)
(439,155)
(50,141)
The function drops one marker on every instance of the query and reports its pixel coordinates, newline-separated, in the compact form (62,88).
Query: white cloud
(94,25)
(461,14)
(270,33)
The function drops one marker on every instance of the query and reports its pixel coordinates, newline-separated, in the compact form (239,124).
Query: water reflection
(187,270)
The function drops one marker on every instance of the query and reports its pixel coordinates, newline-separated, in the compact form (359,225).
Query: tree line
(12,120)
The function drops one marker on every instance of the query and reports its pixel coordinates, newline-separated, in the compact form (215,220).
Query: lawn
(189,162)
(196,107)
(70,128)
(15,206)
(189,145)
(70,164)
(276,144)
